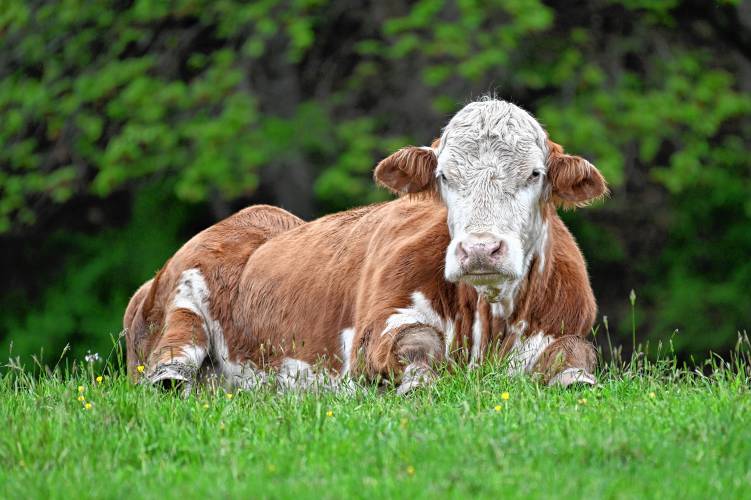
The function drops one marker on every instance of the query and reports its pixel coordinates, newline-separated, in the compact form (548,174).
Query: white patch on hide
(449,334)
(421,312)
(347,336)
(193,294)
(452,270)
(475,353)
(542,246)
(496,310)
(194,355)
(527,350)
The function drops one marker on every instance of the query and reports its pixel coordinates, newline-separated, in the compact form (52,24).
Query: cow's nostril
(497,248)
(461,252)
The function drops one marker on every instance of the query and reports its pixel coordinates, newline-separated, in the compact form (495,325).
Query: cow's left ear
(409,170)
(575,182)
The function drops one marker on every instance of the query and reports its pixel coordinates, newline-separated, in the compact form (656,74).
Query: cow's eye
(535,175)
(442,176)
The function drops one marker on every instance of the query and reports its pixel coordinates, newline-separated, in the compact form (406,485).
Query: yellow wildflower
(652,395)
(410,470)
(229,395)
(582,401)
(505,396)
(81,388)
(206,406)
(498,407)
(99,379)
(81,398)
(140,368)
(87,406)
(329,413)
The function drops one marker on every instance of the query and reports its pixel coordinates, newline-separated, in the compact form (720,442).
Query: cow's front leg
(408,354)
(181,350)
(568,360)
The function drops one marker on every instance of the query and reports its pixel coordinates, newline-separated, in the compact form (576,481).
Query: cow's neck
(534,287)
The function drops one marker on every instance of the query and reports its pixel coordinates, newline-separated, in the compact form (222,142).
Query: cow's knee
(568,361)
(422,345)
(415,352)
(418,351)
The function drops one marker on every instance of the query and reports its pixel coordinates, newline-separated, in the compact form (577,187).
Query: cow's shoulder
(418,225)
(406,249)
(409,234)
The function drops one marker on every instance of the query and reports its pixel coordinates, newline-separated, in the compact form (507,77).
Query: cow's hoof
(176,377)
(415,375)
(573,377)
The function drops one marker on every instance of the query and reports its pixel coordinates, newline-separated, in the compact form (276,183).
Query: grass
(649,430)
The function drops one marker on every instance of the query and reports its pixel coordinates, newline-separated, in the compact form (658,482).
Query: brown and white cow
(474,261)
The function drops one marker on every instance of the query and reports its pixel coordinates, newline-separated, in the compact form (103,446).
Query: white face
(491,175)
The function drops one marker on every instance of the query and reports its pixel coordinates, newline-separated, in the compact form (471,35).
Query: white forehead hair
(492,123)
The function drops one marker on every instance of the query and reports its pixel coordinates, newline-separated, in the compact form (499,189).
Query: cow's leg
(567,361)
(180,351)
(407,353)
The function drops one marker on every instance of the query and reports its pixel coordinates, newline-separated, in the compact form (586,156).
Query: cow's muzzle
(482,255)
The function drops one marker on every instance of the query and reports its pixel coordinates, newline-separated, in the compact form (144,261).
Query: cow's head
(499,175)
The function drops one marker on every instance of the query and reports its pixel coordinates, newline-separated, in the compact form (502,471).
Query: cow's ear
(409,170)
(575,182)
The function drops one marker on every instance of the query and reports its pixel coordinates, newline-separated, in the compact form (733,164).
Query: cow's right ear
(409,170)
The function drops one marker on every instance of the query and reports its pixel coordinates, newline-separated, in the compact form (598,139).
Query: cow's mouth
(485,278)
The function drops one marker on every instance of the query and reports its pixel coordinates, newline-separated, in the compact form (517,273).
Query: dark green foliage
(128,126)
(84,301)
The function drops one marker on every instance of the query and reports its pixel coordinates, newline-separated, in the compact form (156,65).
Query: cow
(470,262)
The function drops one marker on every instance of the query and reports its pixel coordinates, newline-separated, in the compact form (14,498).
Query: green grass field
(658,432)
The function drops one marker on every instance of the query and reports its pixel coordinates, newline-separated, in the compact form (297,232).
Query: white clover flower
(92,358)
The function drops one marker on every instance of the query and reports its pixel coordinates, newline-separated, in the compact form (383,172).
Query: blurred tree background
(128,126)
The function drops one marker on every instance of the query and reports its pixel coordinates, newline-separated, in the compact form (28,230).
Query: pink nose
(480,252)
